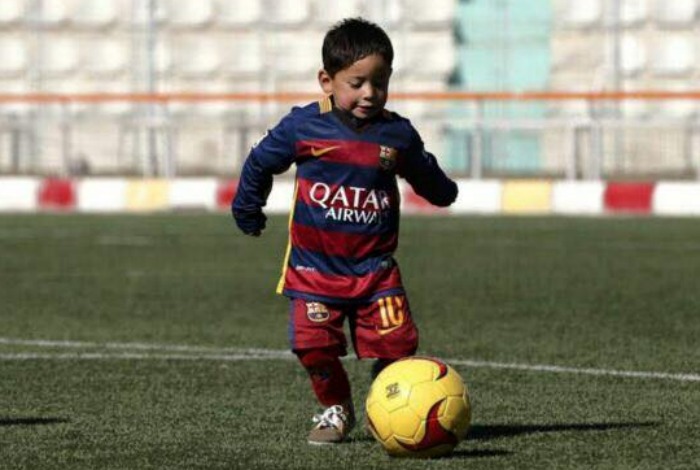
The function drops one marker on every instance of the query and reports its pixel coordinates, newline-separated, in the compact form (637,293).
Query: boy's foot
(332,426)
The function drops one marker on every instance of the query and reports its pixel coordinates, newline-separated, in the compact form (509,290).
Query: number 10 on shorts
(392,314)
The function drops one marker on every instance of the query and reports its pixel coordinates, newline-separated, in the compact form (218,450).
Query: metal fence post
(478,142)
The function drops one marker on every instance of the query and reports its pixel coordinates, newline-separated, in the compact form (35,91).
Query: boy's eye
(355,84)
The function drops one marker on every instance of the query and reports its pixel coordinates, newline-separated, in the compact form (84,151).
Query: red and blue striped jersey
(344,222)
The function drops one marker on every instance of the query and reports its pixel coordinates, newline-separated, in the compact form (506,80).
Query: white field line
(576,370)
(28,356)
(151,351)
(273,353)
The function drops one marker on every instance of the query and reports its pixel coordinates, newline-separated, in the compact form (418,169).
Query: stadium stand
(238,14)
(438,65)
(243,57)
(195,57)
(287,13)
(60,57)
(11,13)
(186,14)
(658,51)
(675,14)
(224,46)
(112,109)
(104,58)
(54,14)
(389,13)
(295,55)
(633,12)
(96,14)
(674,55)
(101,46)
(637,109)
(634,55)
(139,14)
(580,15)
(436,15)
(13,57)
(162,59)
(680,109)
(14,110)
(327,13)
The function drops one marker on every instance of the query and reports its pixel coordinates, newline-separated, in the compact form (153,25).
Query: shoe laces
(333,417)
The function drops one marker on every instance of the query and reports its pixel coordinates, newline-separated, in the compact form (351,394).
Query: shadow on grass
(4,421)
(485,432)
(457,454)
(476,453)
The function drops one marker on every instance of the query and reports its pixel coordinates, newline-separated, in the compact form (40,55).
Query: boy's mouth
(366,109)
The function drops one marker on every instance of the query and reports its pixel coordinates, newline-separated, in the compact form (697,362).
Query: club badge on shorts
(387,157)
(317,312)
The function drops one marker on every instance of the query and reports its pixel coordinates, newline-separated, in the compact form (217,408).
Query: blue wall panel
(504,46)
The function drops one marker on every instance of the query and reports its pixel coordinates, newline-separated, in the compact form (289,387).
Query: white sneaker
(332,426)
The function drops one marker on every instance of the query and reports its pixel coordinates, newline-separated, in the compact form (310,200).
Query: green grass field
(134,342)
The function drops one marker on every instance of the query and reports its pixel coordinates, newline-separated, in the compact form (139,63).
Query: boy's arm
(274,154)
(421,170)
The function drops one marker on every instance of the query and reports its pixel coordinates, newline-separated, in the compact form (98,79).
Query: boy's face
(362,88)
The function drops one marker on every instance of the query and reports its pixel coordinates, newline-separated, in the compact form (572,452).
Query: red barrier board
(630,197)
(225,193)
(57,193)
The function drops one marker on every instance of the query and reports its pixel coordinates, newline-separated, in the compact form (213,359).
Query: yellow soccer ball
(418,407)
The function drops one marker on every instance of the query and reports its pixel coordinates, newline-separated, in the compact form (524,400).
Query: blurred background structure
(572,89)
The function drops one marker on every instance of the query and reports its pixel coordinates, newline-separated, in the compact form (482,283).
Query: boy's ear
(325,81)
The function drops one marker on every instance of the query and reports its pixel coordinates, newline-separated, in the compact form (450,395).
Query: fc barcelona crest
(317,312)
(387,157)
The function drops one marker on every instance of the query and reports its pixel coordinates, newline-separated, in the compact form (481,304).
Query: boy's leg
(328,377)
(384,330)
(316,336)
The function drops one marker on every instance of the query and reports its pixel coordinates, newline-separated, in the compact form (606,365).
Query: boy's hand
(252,223)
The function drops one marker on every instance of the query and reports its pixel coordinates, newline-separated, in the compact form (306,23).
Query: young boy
(344,223)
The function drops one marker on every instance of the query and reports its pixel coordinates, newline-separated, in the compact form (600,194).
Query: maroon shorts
(380,329)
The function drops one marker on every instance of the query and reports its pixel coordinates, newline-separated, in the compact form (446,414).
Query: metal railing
(599,142)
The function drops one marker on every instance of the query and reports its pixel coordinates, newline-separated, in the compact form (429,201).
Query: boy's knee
(318,357)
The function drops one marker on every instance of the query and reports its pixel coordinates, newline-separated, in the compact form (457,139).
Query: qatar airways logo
(351,203)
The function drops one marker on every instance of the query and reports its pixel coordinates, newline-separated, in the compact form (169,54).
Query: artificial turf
(112,296)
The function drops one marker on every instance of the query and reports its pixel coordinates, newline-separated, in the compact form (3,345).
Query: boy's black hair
(353,39)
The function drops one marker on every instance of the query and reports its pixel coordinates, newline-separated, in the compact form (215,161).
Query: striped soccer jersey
(344,223)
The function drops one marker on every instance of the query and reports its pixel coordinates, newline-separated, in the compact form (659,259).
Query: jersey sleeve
(421,170)
(274,154)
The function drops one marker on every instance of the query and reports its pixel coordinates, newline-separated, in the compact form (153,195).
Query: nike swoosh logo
(386,331)
(318,152)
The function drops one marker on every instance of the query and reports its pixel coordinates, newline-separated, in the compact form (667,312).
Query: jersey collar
(355,124)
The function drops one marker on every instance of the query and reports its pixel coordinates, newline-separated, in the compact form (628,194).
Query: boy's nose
(369,91)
